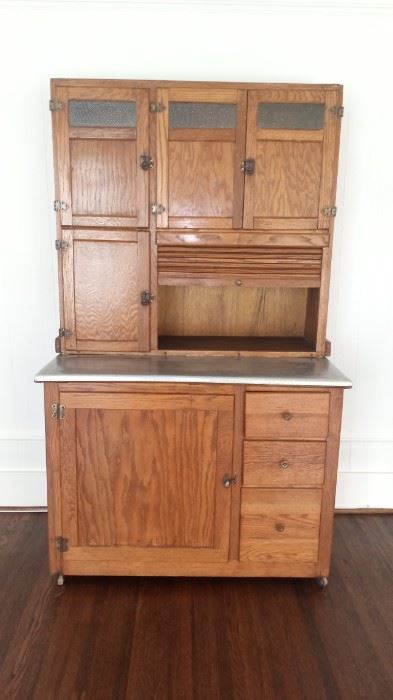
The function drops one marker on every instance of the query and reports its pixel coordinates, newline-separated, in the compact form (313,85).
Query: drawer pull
(284,464)
(286,415)
(280,527)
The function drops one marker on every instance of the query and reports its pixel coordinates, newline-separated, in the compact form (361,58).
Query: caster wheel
(60,580)
(322,581)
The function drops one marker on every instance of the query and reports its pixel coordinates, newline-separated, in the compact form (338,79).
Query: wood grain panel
(231,311)
(287,415)
(283,463)
(287,179)
(201,179)
(106,302)
(244,238)
(280,525)
(103,177)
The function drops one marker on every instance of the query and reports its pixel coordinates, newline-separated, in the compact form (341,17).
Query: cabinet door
(292,137)
(104,275)
(142,478)
(100,135)
(201,138)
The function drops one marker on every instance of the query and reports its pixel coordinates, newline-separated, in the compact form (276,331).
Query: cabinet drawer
(283,463)
(287,415)
(280,525)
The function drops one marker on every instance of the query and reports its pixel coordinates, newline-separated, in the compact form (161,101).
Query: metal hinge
(337,111)
(329,211)
(55,105)
(156,107)
(146,298)
(65,333)
(62,544)
(58,411)
(248,166)
(59,205)
(62,245)
(157,208)
(146,162)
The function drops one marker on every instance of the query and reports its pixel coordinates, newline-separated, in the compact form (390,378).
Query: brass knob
(239,283)
(280,527)
(286,415)
(284,464)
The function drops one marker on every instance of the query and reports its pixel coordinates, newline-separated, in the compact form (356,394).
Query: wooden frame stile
(238,431)
(153,229)
(329,489)
(54,484)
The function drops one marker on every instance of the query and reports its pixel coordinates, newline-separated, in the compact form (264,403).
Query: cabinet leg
(322,581)
(60,580)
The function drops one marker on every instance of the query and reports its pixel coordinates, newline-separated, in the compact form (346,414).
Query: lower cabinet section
(159,479)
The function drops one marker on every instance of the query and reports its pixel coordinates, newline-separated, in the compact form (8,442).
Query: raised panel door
(144,476)
(100,136)
(292,139)
(104,275)
(201,139)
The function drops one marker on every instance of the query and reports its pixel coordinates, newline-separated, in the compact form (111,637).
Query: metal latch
(58,411)
(337,111)
(59,205)
(248,166)
(146,162)
(62,544)
(146,298)
(229,480)
(156,107)
(329,211)
(62,245)
(55,105)
(157,208)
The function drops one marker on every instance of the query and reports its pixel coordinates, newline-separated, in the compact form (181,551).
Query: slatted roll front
(267,266)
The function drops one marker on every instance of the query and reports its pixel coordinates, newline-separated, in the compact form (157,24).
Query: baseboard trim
(363,511)
(24,509)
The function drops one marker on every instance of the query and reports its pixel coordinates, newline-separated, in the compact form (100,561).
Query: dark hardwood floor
(202,639)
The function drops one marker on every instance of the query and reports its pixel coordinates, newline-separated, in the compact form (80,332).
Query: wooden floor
(181,639)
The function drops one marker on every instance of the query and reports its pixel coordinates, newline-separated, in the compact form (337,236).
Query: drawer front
(287,415)
(280,525)
(282,463)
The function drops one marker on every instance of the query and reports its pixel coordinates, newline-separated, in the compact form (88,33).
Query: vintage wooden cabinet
(192,420)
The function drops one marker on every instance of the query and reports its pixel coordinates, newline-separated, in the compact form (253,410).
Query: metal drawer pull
(229,480)
(280,527)
(286,415)
(284,464)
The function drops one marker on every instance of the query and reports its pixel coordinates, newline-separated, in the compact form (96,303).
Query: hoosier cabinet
(192,418)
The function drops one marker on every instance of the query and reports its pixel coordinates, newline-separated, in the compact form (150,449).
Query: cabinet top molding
(77,82)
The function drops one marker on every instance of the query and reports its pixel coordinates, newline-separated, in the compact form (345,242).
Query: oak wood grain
(287,415)
(283,463)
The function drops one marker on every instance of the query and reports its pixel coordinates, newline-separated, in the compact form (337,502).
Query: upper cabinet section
(292,139)
(201,138)
(101,138)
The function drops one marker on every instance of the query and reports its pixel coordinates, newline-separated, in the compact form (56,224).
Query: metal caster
(60,580)
(322,581)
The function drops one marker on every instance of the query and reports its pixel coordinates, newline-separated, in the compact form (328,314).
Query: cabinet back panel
(103,177)
(231,311)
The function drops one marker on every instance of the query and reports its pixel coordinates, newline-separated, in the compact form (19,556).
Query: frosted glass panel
(102,113)
(280,115)
(202,115)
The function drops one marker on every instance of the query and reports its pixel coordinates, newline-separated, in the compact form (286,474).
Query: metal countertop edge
(203,379)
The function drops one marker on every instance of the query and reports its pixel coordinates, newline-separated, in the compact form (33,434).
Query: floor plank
(197,639)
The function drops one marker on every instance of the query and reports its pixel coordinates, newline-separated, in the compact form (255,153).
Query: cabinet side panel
(51,393)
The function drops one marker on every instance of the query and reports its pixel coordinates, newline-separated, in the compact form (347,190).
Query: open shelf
(237,319)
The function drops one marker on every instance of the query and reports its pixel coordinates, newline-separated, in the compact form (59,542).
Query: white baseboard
(358,486)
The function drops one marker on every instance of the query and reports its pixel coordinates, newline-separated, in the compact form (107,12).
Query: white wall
(209,41)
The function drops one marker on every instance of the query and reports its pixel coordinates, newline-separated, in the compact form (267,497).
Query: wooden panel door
(201,141)
(143,477)
(104,275)
(100,135)
(292,142)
